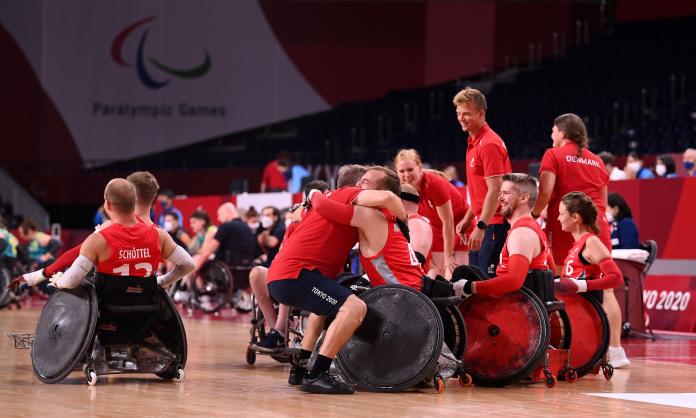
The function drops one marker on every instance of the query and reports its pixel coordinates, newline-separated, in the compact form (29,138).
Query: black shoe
(273,342)
(325,384)
(297,373)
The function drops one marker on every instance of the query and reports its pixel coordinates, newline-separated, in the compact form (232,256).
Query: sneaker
(297,374)
(182,296)
(272,342)
(325,383)
(617,357)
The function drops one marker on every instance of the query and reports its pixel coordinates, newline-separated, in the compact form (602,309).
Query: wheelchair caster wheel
(466,380)
(179,374)
(571,376)
(550,380)
(439,383)
(608,371)
(250,356)
(91,377)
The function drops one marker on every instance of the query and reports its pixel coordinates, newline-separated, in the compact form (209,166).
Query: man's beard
(507,213)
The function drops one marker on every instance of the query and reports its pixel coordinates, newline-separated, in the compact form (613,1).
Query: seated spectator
(690,162)
(665,166)
(273,178)
(297,176)
(202,230)
(272,233)
(624,232)
(166,201)
(100,216)
(171,225)
(40,247)
(615,173)
(8,242)
(451,173)
(634,167)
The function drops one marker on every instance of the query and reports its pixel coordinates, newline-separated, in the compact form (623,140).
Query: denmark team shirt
(396,263)
(436,191)
(317,243)
(486,156)
(135,250)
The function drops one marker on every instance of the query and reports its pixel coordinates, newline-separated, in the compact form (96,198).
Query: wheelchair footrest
(22,340)
(557,364)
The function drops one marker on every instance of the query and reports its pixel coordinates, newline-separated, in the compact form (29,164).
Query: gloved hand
(17,284)
(462,288)
(53,281)
(568,286)
(307,203)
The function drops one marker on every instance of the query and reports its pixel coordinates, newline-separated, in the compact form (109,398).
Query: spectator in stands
(690,162)
(272,233)
(251,218)
(624,232)
(273,178)
(451,173)
(41,248)
(202,229)
(665,166)
(173,227)
(8,242)
(634,167)
(297,176)
(100,216)
(615,173)
(166,201)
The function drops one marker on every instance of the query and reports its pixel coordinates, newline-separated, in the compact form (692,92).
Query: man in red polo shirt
(273,178)
(487,161)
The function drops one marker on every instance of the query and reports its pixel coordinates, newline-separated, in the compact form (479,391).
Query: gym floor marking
(683,400)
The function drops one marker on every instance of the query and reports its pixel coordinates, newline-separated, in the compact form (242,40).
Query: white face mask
(610,216)
(266,222)
(254,226)
(635,166)
(169,226)
(661,169)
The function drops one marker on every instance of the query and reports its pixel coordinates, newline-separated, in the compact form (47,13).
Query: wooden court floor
(219,383)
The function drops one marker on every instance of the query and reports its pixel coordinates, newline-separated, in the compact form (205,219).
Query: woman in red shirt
(442,204)
(588,265)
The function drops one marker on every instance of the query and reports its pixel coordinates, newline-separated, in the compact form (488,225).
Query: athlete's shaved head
(146,186)
(226,212)
(120,194)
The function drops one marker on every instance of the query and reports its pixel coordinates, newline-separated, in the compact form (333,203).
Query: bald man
(127,247)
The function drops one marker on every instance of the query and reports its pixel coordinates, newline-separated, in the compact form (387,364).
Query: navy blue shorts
(310,291)
(488,256)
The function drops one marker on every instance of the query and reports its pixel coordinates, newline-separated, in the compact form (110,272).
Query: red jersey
(396,263)
(290,230)
(273,178)
(436,191)
(540,261)
(135,250)
(573,268)
(486,156)
(429,256)
(317,243)
(574,174)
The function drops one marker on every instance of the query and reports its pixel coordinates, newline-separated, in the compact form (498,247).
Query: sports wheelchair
(531,335)
(110,325)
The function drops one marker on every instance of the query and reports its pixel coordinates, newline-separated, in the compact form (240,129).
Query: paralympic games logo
(140,67)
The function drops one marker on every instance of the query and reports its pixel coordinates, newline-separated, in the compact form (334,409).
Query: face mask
(610,216)
(266,222)
(660,169)
(254,226)
(689,165)
(163,204)
(169,226)
(635,166)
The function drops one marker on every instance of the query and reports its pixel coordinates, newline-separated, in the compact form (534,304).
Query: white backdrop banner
(133,77)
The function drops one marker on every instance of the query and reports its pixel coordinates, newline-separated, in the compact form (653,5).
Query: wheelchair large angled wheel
(64,332)
(5,279)
(507,337)
(170,330)
(217,286)
(398,343)
(590,339)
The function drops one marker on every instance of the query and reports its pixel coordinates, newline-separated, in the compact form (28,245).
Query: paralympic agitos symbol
(140,67)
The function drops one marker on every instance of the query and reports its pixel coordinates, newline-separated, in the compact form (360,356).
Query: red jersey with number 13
(135,250)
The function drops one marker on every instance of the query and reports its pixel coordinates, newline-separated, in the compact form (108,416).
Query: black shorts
(310,291)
